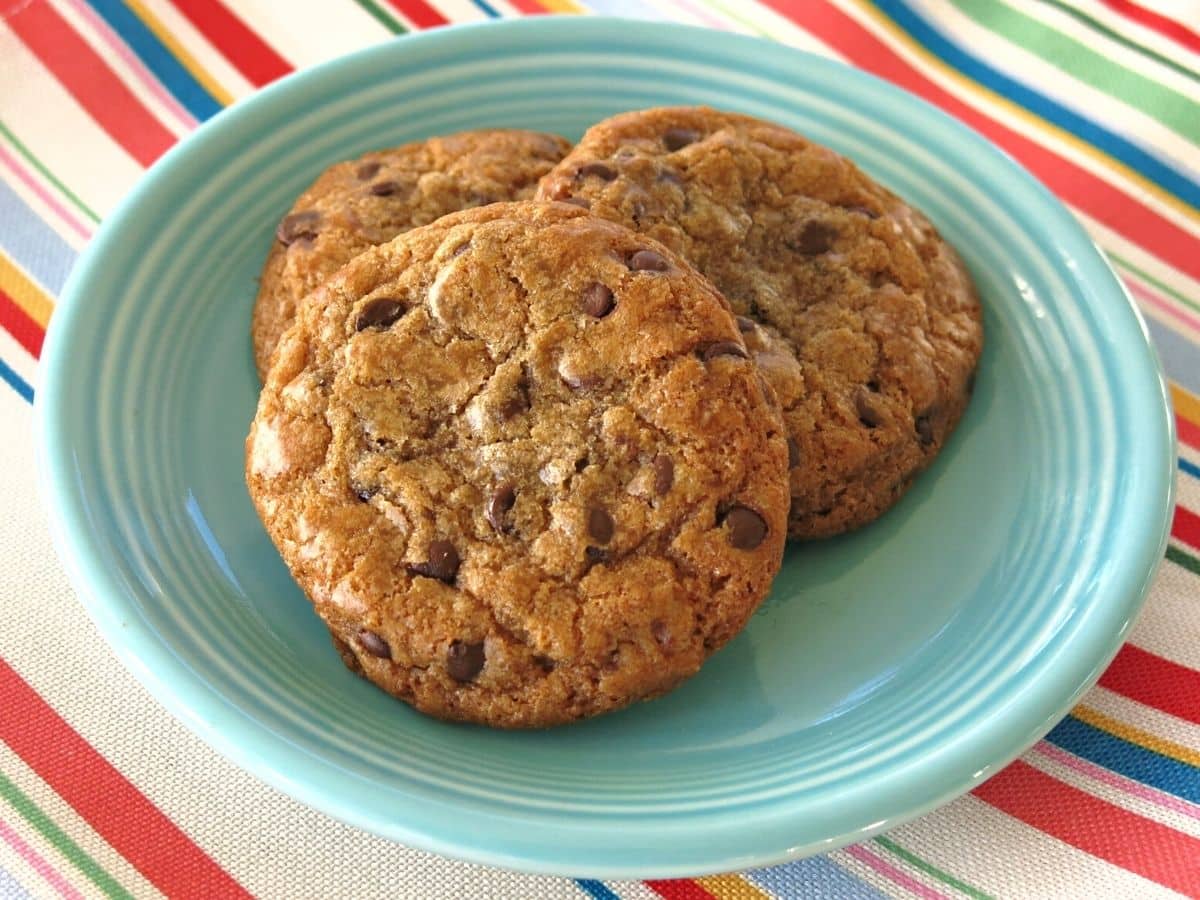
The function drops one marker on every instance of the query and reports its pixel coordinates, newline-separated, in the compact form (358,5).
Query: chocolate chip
(384,188)
(662,635)
(374,644)
(793,453)
(924,426)
(747,528)
(461,249)
(581,202)
(545,663)
(516,404)
(597,300)
(723,348)
(464,661)
(599,170)
(595,555)
(814,238)
(381,312)
(298,226)
(678,138)
(870,412)
(498,507)
(600,525)
(648,261)
(441,562)
(367,171)
(745,325)
(664,473)
(364,493)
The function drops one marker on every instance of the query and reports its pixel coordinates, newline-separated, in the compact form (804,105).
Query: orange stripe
(731,887)
(1095,826)
(32,300)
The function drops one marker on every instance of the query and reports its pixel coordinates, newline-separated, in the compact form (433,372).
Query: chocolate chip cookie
(357,204)
(522,464)
(863,319)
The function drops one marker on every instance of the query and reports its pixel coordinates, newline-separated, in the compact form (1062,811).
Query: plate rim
(203,709)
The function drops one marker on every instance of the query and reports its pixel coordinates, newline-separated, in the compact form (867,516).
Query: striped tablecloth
(102,793)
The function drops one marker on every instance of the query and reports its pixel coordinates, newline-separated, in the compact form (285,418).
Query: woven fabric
(103,794)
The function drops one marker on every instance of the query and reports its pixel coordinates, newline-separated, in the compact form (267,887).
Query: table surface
(103,794)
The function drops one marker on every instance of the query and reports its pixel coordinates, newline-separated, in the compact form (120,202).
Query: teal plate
(889,670)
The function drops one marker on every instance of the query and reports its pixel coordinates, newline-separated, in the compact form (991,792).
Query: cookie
(357,204)
(863,319)
(522,465)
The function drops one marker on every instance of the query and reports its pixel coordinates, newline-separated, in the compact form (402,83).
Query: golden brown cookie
(357,204)
(522,465)
(864,320)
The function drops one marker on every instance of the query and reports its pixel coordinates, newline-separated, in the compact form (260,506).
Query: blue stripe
(1109,142)
(1177,353)
(10,888)
(157,58)
(487,8)
(1126,758)
(597,889)
(35,246)
(15,381)
(1190,467)
(817,876)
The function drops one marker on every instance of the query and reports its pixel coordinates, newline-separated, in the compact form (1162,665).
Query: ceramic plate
(887,672)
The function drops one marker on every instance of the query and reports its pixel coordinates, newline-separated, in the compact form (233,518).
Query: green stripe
(1116,36)
(1189,562)
(33,161)
(1150,279)
(1174,110)
(56,836)
(735,16)
(378,14)
(944,877)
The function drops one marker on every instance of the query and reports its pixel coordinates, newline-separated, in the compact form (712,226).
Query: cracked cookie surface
(865,322)
(356,204)
(522,465)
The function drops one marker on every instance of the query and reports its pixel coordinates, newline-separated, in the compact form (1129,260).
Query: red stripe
(118,811)
(90,81)
(1189,432)
(1154,681)
(1186,526)
(1076,186)
(248,52)
(16,322)
(1176,31)
(419,13)
(679,889)
(1095,826)
(528,7)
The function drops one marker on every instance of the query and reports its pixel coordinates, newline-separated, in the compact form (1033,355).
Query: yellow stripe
(1186,403)
(177,50)
(731,887)
(1136,735)
(562,6)
(900,36)
(32,299)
